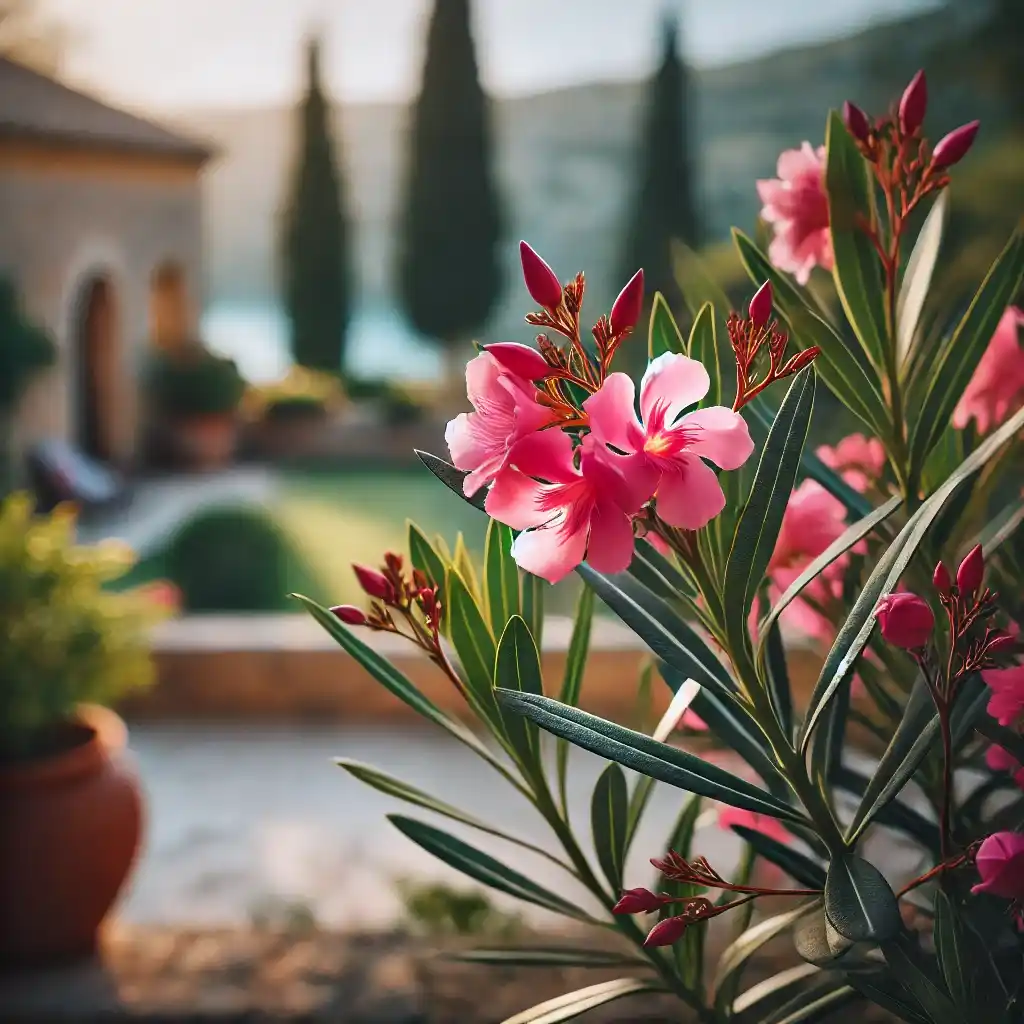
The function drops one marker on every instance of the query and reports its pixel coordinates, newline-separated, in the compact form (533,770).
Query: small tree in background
(449,267)
(666,203)
(316,272)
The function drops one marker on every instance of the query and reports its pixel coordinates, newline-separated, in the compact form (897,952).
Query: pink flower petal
(689,495)
(551,552)
(547,454)
(612,414)
(671,384)
(723,437)
(516,500)
(610,547)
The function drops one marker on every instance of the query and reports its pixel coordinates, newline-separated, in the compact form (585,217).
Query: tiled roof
(34,106)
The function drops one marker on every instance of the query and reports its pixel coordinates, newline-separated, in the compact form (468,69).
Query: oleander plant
(880,809)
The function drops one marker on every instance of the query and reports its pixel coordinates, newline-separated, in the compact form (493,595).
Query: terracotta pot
(71,824)
(205,442)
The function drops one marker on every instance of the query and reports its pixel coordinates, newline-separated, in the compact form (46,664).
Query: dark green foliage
(24,349)
(230,559)
(449,267)
(666,205)
(194,382)
(315,265)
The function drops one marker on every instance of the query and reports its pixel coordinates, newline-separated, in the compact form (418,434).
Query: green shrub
(194,382)
(292,408)
(231,559)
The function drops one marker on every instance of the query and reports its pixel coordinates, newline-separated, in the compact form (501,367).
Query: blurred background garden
(246,247)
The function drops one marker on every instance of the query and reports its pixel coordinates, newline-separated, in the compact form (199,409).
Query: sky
(187,54)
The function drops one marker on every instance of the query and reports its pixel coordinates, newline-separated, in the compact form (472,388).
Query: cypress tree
(317,280)
(448,266)
(666,205)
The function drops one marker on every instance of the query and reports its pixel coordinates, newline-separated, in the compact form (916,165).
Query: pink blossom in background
(859,460)
(1000,863)
(579,513)
(1000,760)
(163,594)
(505,410)
(813,520)
(665,450)
(1006,705)
(796,206)
(763,823)
(997,387)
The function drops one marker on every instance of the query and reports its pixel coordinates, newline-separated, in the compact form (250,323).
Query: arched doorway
(168,307)
(95,362)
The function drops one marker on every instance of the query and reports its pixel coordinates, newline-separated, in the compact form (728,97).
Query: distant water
(380,343)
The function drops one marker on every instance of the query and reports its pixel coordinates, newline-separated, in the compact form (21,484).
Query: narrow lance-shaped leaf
(517,669)
(857,270)
(482,867)
(548,956)
(533,606)
(858,901)
(663,334)
(474,645)
(571,1005)
(797,865)
(634,750)
(572,681)
(918,278)
(608,821)
(703,346)
(761,519)
(451,477)
(501,576)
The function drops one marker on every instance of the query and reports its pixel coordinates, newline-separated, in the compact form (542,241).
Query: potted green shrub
(195,395)
(70,801)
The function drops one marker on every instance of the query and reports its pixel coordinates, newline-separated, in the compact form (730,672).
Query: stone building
(101,234)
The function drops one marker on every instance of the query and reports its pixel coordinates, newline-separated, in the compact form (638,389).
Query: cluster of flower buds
(907,621)
(749,337)
(676,868)
(392,590)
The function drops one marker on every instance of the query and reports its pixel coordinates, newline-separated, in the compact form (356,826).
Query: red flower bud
(349,614)
(906,620)
(914,104)
(373,583)
(544,287)
(972,569)
(666,932)
(520,360)
(856,121)
(941,580)
(761,305)
(952,148)
(638,901)
(627,307)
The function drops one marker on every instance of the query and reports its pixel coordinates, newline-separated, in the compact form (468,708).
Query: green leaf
(388,784)
(950,945)
(548,956)
(859,902)
(645,755)
(572,680)
(797,865)
(662,629)
(918,278)
(916,974)
(857,271)
(893,814)
(565,1007)
(811,939)
(943,379)
(388,676)
(769,990)
(501,576)
(533,606)
(854,633)
(473,643)
(777,678)
(482,867)
(608,821)
(703,346)
(851,536)
(759,524)
(888,993)
(840,369)
(425,558)
(517,669)
(659,575)
(451,477)
(663,335)
(803,1011)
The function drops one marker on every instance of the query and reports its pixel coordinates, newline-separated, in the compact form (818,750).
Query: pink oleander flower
(578,513)
(997,388)
(1001,760)
(859,460)
(664,451)
(1006,705)
(813,520)
(729,816)
(796,204)
(906,620)
(506,410)
(1000,862)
